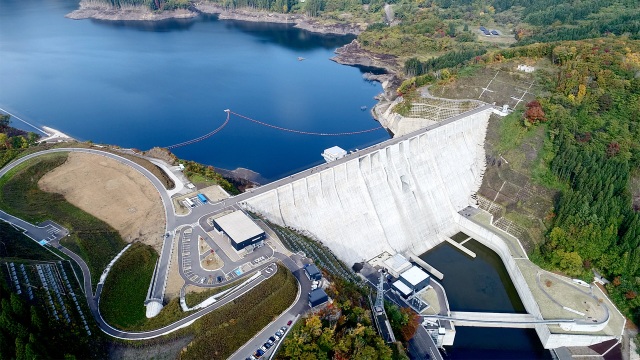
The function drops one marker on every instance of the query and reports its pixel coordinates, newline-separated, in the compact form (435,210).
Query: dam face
(396,198)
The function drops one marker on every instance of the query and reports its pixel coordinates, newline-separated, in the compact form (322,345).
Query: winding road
(38,233)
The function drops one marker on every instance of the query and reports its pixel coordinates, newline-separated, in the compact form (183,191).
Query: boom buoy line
(229,112)
(305,132)
(203,137)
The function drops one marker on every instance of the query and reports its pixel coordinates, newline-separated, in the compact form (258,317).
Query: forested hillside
(594,121)
(27,332)
(431,27)
(591,117)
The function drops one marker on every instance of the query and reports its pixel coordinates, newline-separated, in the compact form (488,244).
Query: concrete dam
(396,196)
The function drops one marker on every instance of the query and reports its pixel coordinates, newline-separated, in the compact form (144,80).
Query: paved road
(299,307)
(421,346)
(170,223)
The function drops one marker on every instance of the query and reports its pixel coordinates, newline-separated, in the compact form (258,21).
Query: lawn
(125,290)
(195,298)
(220,333)
(91,238)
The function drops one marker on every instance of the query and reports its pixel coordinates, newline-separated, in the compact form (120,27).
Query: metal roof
(414,276)
(317,295)
(335,151)
(398,263)
(312,270)
(238,226)
(402,287)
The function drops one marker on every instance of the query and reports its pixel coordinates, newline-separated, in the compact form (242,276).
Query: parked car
(267,345)
(279,333)
(219,278)
(260,352)
(284,328)
(264,349)
(289,323)
(273,339)
(277,337)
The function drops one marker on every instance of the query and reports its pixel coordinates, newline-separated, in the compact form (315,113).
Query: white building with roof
(396,265)
(415,278)
(333,153)
(240,229)
(402,289)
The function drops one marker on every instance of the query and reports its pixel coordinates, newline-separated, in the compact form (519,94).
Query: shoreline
(93,9)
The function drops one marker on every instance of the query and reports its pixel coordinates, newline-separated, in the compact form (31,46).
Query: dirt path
(112,192)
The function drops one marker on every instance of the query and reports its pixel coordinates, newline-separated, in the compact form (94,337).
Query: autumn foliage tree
(409,329)
(534,113)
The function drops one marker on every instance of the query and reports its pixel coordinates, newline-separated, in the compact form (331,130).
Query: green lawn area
(124,292)
(195,298)
(94,240)
(220,333)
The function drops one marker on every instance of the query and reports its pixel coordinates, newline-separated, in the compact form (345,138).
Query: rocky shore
(301,21)
(94,9)
(90,9)
(353,54)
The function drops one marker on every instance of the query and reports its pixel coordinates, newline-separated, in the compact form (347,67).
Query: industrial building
(402,289)
(411,281)
(312,272)
(396,265)
(334,153)
(317,297)
(240,229)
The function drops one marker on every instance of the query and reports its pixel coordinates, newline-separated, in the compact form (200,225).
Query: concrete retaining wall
(549,340)
(396,199)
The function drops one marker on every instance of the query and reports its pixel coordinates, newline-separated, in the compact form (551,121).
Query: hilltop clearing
(112,192)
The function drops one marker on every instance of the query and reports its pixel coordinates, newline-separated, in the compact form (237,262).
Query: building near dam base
(396,265)
(240,229)
(415,279)
(411,281)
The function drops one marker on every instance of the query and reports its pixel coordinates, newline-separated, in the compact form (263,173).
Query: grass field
(15,245)
(124,292)
(95,241)
(222,332)
(195,298)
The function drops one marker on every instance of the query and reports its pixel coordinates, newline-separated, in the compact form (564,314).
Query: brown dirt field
(112,192)
(212,262)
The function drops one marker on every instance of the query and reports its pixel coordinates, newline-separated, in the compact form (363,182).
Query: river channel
(145,84)
(482,284)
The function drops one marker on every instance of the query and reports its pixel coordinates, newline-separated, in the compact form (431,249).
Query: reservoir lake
(145,84)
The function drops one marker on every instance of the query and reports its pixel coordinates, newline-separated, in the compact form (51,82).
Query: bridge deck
(501,320)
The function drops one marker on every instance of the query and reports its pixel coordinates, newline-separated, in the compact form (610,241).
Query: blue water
(482,284)
(146,84)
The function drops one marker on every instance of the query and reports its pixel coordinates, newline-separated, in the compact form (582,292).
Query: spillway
(397,196)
